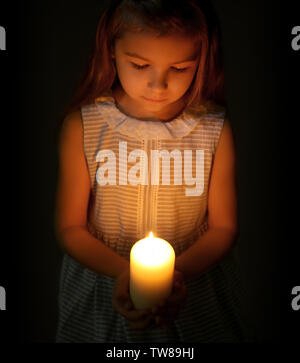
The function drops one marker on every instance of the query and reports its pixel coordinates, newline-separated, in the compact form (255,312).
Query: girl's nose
(158,81)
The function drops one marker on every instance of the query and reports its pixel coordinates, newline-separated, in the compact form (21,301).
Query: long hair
(194,18)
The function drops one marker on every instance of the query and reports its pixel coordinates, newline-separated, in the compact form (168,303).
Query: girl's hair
(193,18)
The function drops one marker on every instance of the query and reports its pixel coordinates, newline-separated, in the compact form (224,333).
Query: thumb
(122,285)
(128,305)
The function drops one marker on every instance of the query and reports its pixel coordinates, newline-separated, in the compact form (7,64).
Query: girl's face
(155,72)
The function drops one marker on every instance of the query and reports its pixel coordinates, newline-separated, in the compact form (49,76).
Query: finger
(164,323)
(168,318)
(154,309)
(178,290)
(178,284)
(142,324)
(178,277)
(121,301)
(136,315)
(121,297)
(122,287)
(122,305)
(175,300)
(170,303)
(170,314)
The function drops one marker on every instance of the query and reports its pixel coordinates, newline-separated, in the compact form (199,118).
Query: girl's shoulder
(71,129)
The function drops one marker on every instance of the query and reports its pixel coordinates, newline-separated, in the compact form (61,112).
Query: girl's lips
(150,100)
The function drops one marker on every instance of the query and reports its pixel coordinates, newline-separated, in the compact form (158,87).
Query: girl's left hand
(168,310)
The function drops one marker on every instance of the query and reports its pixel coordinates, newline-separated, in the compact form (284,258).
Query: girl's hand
(168,310)
(122,303)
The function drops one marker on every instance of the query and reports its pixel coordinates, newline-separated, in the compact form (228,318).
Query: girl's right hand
(122,303)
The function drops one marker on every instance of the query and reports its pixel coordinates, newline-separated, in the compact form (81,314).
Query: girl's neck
(133,109)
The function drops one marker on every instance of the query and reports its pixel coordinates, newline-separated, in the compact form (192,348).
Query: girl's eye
(136,66)
(180,69)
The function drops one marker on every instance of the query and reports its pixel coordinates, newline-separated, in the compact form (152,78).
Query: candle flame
(152,251)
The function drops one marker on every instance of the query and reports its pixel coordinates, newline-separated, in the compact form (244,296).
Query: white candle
(152,262)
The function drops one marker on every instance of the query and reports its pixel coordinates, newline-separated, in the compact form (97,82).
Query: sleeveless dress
(142,195)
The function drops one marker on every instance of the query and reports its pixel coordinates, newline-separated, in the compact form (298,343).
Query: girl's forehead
(174,45)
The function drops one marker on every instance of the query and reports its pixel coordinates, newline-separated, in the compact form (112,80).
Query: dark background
(47,46)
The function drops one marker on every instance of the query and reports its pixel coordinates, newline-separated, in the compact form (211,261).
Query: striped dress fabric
(143,195)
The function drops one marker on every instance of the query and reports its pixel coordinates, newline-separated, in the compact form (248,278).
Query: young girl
(153,91)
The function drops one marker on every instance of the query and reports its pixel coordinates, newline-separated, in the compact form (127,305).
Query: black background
(47,45)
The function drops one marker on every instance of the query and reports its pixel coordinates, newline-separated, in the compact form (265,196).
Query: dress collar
(177,128)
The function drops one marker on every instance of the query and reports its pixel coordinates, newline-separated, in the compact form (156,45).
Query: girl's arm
(73,194)
(222,231)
